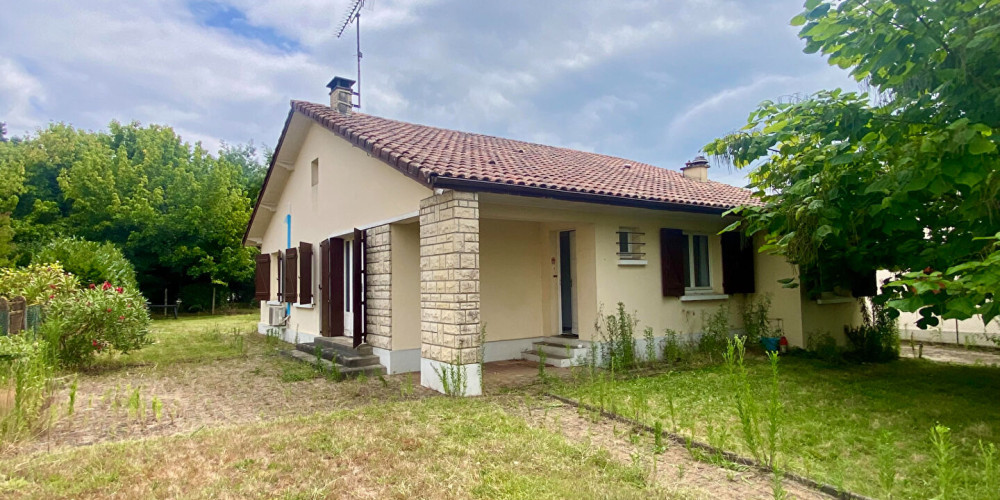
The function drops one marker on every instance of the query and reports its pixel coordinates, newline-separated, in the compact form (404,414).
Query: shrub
(715,331)
(38,283)
(94,320)
(90,261)
(756,323)
(25,384)
(877,339)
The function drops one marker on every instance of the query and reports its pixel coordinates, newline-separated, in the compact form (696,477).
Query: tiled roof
(425,152)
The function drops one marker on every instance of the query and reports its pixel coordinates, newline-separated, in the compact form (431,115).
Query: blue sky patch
(233,20)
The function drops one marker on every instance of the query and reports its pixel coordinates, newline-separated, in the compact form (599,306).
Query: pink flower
(109,309)
(121,318)
(92,286)
(94,342)
(120,290)
(106,286)
(52,296)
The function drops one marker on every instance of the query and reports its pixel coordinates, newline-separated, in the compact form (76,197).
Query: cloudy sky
(647,80)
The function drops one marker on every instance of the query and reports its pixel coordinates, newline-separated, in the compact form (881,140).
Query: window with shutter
(305,273)
(262,278)
(291,275)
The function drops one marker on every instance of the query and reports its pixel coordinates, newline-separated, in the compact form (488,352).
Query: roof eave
(560,194)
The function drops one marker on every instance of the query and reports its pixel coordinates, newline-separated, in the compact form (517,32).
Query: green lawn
(192,339)
(833,417)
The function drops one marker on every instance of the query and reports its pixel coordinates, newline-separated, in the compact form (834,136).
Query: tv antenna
(354,15)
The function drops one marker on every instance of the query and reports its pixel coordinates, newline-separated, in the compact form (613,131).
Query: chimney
(696,169)
(341,94)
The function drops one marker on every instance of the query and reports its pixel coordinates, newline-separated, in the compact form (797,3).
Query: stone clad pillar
(449,291)
(378,287)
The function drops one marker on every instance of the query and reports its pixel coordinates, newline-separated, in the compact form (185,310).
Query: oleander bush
(95,320)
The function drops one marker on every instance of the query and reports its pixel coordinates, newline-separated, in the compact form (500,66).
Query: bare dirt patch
(194,396)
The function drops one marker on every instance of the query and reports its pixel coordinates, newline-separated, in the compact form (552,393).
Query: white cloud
(651,80)
(18,91)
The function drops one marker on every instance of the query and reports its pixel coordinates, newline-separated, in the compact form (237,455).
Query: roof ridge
(478,134)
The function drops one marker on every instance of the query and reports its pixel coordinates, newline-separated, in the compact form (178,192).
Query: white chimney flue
(341,94)
(696,169)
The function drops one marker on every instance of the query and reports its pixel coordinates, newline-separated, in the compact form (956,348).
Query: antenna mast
(354,15)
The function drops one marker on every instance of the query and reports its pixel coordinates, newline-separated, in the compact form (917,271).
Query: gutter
(437,181)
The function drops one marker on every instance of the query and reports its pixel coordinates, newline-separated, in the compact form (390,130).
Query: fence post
(18,308)
(4,317)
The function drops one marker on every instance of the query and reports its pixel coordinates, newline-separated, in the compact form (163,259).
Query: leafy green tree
(177,212)
(903,178)
(89,261)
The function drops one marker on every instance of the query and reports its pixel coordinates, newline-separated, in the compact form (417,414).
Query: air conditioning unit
(276,315)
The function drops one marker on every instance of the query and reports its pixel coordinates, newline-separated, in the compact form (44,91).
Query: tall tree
(177,212)
(904,178)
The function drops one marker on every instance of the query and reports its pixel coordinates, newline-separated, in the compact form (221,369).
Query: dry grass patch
(431,448)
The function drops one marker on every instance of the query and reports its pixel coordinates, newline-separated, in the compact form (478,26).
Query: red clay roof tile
(423,152)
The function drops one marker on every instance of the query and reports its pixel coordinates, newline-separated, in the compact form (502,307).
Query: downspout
(288,237)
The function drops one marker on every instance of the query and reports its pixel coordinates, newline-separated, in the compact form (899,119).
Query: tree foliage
(903,178)
(177,212)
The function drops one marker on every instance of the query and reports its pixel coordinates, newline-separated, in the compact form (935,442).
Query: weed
(454,380)
(72,396)
(617,333)
(746,404)
(991,469)
(886,462)
(157,406)
(135,407)
(715,331)
(406,388)
(944,461)
(541,365)
(756,324)
(659,445)
(672,351)
(651,350)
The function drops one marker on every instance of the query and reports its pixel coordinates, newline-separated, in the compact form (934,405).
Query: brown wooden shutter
(737,263)
(358,291)
(262,278)
(672,262)
(291,275)
(324,288)
(305,273)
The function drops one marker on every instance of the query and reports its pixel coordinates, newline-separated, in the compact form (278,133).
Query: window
(696,262)
(630,244)
(315,172)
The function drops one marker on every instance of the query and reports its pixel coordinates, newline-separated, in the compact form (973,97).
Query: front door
(566,286)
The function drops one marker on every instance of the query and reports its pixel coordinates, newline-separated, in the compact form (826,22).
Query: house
(411,238)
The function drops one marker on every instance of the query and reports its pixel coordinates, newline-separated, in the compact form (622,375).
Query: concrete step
(370,370)
(557,349)
(346,344)
(347,357)
(564,340)
(559,361)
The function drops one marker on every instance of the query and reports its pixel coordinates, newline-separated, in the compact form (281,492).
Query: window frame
(314,172)
(630,239)
(689,265)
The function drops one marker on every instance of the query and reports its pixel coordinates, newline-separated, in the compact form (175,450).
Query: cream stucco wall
(405,286)
(354,190)
(510,271)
